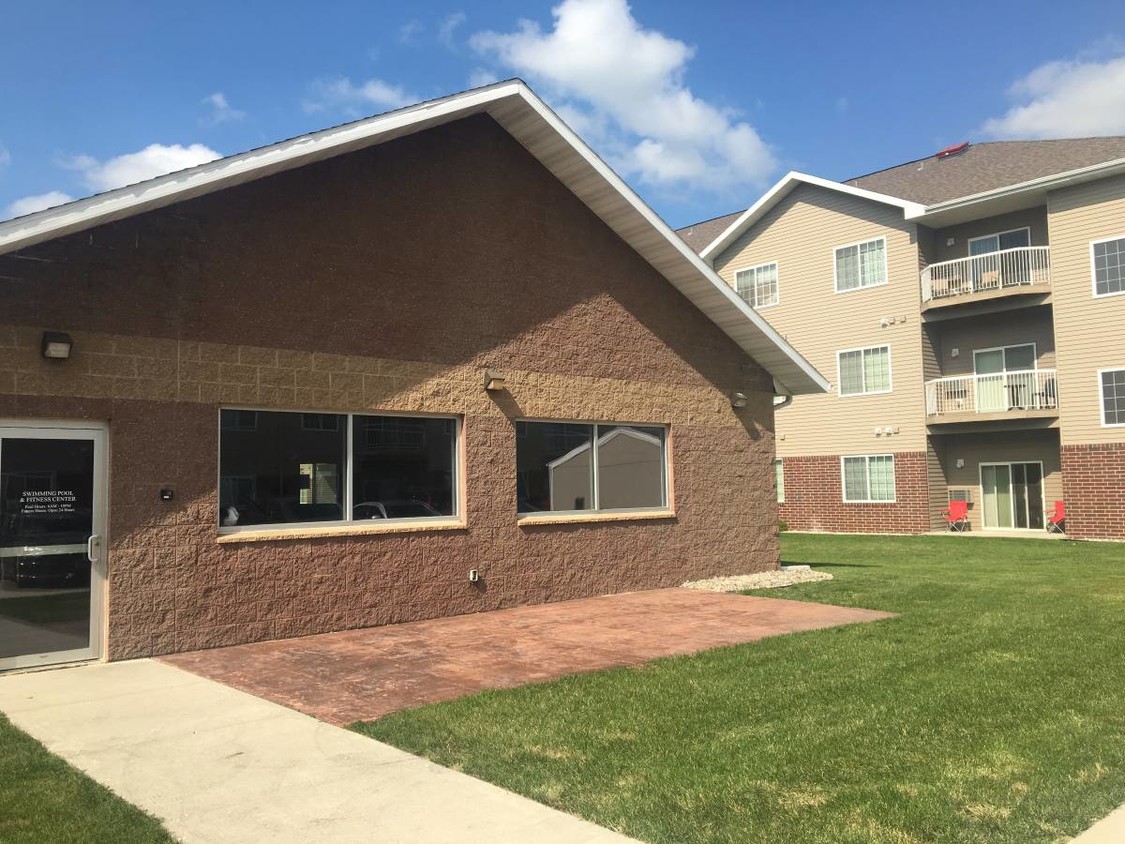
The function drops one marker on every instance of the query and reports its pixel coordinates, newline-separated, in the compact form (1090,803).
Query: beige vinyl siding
(1015,328)
(1000,447)
(801,234)
(939,249)
(1090,331)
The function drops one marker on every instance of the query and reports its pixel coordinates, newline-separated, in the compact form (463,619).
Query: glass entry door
(1012,495)
(52,517)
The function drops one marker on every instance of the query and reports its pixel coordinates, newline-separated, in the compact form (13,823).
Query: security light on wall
(960,463)
(56,345)
(494,381)
(738,399)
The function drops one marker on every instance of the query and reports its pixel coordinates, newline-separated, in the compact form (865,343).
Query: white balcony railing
(1028,389)
(1007,268)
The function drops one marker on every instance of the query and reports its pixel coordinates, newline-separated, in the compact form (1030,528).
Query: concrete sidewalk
(219,765)
(1109,830)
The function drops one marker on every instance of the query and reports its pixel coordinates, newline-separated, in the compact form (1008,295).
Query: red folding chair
(1056,521)
(957,516)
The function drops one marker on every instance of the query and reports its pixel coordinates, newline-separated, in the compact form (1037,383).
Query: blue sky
(701,106)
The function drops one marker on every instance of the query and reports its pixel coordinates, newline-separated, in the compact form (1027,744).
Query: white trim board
(534,125)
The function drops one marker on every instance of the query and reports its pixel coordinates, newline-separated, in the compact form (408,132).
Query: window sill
(276,534)
(582,518)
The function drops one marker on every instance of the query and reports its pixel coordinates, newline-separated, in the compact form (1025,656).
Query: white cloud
(31,204)
(1066,99)
(221,110)
(154,160)
(355,100)
(481,77)
(5,156)
(410,32)
(611,73)
(448,26)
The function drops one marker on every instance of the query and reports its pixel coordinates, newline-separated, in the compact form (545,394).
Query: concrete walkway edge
(1109,830)
(218,765)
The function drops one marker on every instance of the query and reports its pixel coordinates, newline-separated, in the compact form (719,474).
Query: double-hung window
(572,466)
(1108,257)
(1112,383)
(864,371)
(868,478)
(861,265)
(779,478)
(757,285)
(321,468)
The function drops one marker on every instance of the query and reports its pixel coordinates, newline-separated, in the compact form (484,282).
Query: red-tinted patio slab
(360,675)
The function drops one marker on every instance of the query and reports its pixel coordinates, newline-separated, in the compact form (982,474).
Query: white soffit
(528,119)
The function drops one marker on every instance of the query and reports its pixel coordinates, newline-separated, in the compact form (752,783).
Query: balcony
(1020,271)
(1023,394)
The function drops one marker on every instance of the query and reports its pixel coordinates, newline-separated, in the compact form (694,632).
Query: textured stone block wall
(814,497)
(388,279)
(1094,486)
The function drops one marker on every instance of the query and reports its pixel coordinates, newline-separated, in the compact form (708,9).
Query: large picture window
(1108,257)
(570,466)
(293,468)
(868,478)
(864,371)
(861,265)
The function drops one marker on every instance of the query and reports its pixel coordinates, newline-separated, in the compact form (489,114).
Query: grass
(43,799)
(991,710)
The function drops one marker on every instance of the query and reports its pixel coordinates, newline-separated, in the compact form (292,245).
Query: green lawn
(992,709)
(43,799)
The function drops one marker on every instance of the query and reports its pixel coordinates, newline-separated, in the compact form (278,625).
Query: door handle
(93,542)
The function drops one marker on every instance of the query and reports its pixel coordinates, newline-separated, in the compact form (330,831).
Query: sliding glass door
(1012,495)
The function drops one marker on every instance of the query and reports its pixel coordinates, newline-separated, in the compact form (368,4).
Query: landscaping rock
(761,580)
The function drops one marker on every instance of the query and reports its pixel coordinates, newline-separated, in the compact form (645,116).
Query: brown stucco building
(273,420)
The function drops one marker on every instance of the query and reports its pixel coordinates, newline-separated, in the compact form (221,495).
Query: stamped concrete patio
(361,675)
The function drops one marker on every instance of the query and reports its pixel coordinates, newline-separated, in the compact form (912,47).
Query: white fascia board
(782,189)
(205,178)
(1043,184)
(803,378)
(608,196)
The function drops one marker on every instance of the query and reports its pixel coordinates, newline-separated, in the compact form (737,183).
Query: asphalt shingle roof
(981,167)
(987,166)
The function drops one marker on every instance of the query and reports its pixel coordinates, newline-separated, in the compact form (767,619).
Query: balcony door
(1012,496)
(993,272)
(1002,383)
(52,524)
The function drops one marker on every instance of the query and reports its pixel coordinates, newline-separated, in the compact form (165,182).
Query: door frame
(46,429)
(1010,464)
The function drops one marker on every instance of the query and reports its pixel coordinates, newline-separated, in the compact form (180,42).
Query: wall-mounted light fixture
(56,345)
(960,463)
(738,399)
(494,381)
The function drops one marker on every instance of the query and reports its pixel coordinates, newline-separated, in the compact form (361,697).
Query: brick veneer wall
(814,497)
(387,279)
(1094,490)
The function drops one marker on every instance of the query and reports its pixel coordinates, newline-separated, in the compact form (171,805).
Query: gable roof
(698,235)
(781,190)
(530,121)
(988,166)
(984,180)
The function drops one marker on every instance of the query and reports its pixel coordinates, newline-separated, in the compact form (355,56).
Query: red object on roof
(953,150)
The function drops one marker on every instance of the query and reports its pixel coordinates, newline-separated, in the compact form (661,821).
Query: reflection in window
(292,468)
(281,471)
(403,467)
(571,466)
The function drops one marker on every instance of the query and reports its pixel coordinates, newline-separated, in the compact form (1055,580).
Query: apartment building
(969,309)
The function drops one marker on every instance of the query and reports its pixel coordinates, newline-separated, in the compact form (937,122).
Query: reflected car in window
(45,549)
(405,509)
